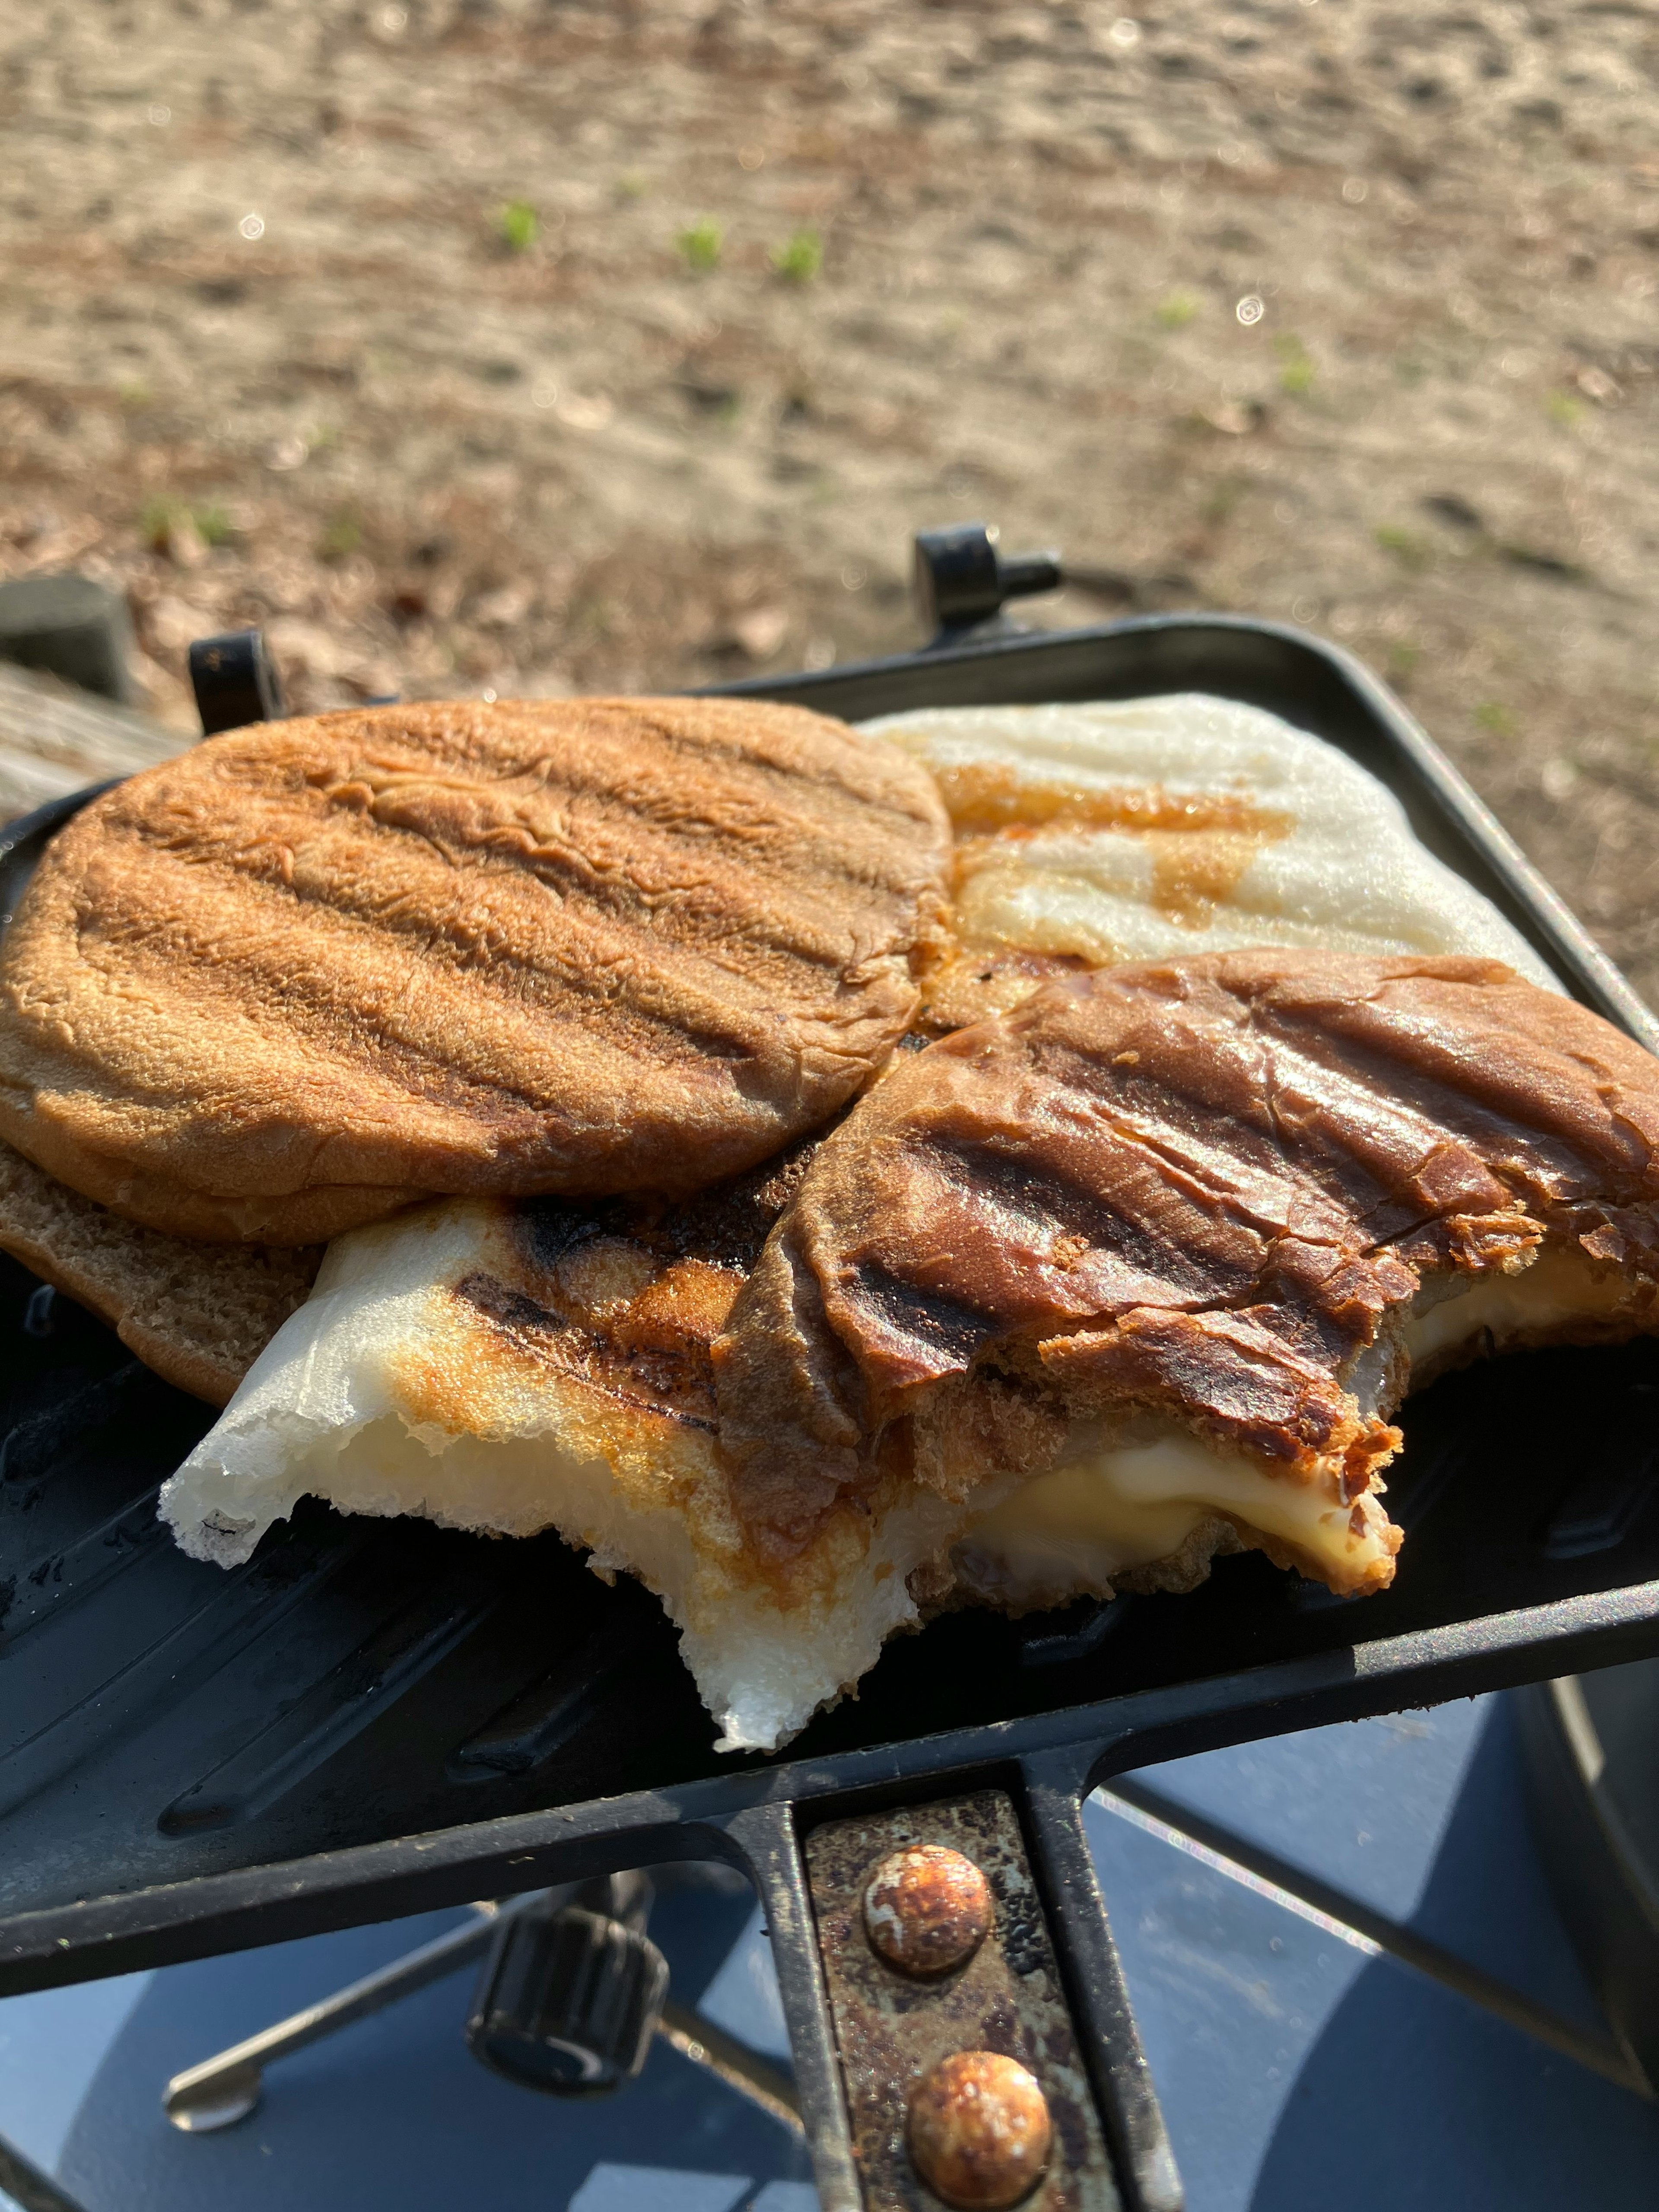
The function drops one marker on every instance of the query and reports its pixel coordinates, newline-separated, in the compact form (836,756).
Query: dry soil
(532,346)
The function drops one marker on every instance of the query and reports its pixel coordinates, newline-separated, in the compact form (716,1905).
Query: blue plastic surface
(1295,2063)
(1294,2066)
(1419,1815)
(393,2111)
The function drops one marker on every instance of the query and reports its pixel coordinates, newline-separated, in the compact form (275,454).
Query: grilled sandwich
(1073,1301)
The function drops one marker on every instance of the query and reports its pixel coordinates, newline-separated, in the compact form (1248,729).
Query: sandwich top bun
(311,970)
(1254,1195)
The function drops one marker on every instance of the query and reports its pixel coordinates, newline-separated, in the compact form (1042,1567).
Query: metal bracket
(996,2015)
(235,681)
(963,582)
(1041,1987)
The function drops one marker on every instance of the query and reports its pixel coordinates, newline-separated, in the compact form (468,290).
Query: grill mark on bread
(1467,1095)
(683,1262)
(1347,1145)
(590,946)
(675,1385)
(701,979)
(682,1266)
(1200,843)
(915,1316)
(1036,1212)
(1233,1112)
(317,1000)
(723,1227)
(786,932)
(1362,1117)
(629,808)
(984,797)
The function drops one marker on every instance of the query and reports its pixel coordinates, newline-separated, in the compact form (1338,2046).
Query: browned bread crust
(312,970)
(199,1315)
(1196,1189)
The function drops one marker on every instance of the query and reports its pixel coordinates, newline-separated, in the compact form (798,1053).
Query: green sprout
(1177,309)
(800,257)
(1496,717)
(1563,409)
(1295,369)
(341,536)
(1406,547)
(160,517)
(518,226)
(700,246)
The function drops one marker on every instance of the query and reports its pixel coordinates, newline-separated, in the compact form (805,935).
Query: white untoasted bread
(1090,834)
(457,1364)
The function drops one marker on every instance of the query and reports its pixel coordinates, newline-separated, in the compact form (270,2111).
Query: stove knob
(567,2002)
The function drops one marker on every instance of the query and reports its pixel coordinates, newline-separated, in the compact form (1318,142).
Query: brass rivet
(979,2130)
(926,1909)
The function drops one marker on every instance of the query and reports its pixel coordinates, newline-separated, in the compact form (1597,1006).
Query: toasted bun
(311,970)
(199,1315)
(809,1408)
(1210,1191)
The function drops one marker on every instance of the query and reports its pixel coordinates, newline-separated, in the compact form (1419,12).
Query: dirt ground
(515,346)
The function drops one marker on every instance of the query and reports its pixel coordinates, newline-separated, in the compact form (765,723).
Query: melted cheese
(1558,1288)
(1124,1505)
(1119,1506)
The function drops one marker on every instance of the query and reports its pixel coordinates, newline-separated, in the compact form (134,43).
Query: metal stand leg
(27,2187)
(731,2062)
(225,2089)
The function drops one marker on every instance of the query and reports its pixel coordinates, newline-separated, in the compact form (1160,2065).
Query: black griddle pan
(373,1718)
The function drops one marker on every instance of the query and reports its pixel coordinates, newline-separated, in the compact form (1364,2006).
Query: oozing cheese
(1559,1287)
(1125,1505)
(1119,1506)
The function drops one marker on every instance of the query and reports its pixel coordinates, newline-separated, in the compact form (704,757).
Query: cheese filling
(1125,1505)
(1122,1505)
(1558,1288)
